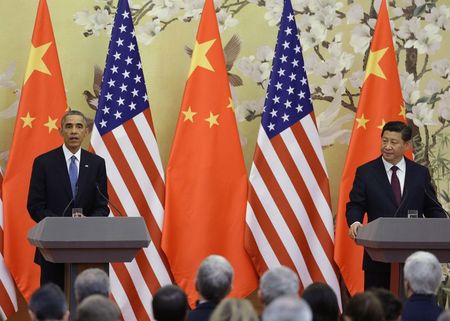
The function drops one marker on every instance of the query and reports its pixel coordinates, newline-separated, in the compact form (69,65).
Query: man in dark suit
(389,186)
(65,178)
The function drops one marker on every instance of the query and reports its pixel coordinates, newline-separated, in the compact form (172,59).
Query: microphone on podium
(107,200)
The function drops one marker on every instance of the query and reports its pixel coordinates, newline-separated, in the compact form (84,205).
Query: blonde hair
(234,310)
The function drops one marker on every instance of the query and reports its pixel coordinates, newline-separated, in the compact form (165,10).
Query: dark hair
(73,113)
(398,127)
(48,303)
(170,304)
(323,302)
(365,307)
(392,307)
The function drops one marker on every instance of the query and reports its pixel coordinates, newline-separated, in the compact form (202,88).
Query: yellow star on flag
(402,111)
(362,121)
(373,63)
(51,124)
(212,119)
(189,115)
(35,61)
(199,56)
(230,104)
(382,124)
(27,120)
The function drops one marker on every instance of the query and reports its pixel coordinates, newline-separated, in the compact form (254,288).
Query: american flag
(8,300)
(123,135)
(289,219)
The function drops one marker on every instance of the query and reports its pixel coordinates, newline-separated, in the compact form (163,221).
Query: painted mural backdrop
(335,36)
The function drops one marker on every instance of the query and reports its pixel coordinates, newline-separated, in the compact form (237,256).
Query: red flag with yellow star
(206,190)
(381,101)
(42,103)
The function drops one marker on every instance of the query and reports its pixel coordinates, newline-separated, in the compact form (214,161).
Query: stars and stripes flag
(123,135)
(289,219)
(8,299)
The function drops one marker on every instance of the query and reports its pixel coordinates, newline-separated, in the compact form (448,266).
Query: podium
(85,242)
(392,240)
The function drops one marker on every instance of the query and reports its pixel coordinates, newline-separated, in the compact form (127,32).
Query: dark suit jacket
(372,194)
(202,312)
(50,190)
(421,307)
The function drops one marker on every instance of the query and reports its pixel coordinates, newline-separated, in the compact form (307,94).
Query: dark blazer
(372,194)
(50,192)
(202,312)
(421,307)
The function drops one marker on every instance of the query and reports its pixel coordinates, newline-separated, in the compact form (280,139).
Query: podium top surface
(406,232)
(90,232)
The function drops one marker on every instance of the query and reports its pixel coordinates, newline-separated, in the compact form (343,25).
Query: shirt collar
(68,154)
(401,165)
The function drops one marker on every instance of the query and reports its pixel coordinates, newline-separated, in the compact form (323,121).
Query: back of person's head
(445,316)
(398,127)
(276,282)
(91,281)
(287,308)
(323,302)
(422,273)
(48,303)
(214,278)
(97,308)
(392,307)
(364,307)
(234,310)
(170,304)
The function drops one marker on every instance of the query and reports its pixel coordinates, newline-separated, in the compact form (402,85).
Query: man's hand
(353,230)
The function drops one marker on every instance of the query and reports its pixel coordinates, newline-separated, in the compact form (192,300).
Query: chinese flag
(381,101)
(42,103)
(206,190)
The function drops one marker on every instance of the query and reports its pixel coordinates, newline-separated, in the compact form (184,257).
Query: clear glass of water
(413,214)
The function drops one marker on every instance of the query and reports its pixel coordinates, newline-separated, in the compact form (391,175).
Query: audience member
(423,274)
(91,281)
(445,316)
(278,282)
(323,302)
(213,283)
(392,307)
(97,308)
(48,303)
(287,308)
(234,310)
(170,304)
(364,307)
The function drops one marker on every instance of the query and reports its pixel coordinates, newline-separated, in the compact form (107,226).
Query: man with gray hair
(287,308)
(277,282)
(213,283)
(91,281)
(423,275)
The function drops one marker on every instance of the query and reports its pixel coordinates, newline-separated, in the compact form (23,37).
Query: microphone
(107,200)
(72,201)
(402,202)
(433,199)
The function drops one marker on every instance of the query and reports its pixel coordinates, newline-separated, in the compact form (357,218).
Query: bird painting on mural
(231,52)
(92,97)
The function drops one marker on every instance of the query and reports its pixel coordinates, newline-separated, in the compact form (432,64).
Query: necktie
(395,184)
(73,174)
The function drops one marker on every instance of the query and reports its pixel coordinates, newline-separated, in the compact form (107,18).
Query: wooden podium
(88,242)
(392,240)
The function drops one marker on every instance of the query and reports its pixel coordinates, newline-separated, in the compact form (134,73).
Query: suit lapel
(61,169)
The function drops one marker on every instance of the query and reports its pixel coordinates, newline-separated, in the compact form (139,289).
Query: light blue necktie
(73,174)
